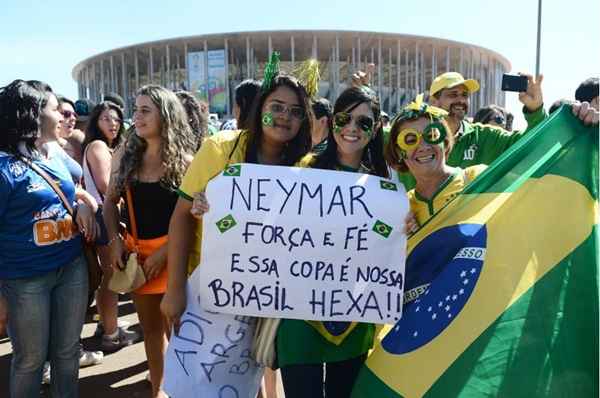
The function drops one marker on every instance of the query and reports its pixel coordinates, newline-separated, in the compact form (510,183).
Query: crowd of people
(74,172)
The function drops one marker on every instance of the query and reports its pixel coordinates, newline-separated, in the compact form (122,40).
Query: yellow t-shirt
(424,209)
(216,152)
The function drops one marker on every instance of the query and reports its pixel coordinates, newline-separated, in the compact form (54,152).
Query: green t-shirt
(481,144)
(299,342)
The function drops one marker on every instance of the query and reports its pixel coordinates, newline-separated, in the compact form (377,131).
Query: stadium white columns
(379,70)
(398,67)
(150,66)
(136,66)
(168,79)
(124,88)
(248,57)
(206,69)
(293,49)
(270,41)
(315,50)
(226,47)
(448,59)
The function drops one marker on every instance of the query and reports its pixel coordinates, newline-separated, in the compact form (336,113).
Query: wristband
(114,238)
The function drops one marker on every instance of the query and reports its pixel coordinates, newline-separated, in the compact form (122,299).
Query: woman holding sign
(147,168)
(278,133)
(304,347)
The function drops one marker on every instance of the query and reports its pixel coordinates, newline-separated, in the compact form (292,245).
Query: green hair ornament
(271,70)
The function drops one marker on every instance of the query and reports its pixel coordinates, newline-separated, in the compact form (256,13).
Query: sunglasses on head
(342,119)
(69,114)
(295,112)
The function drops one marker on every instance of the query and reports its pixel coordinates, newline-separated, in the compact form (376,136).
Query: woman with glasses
(278,133)
(148,167)
(71,139)
(307,349)
(103,134)
(492,114)
(43,275)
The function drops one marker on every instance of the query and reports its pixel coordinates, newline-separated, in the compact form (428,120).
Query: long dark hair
(93,132)
(297,146)
(245,92)
(21,105)
(372,157)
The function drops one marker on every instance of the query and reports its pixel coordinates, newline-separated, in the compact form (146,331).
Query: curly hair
(21,106)
(197,119)
(176,136)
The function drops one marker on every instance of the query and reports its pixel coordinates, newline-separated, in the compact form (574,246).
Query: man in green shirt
(477,143)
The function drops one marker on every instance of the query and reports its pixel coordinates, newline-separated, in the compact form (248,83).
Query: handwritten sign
(303,243)
(210,356)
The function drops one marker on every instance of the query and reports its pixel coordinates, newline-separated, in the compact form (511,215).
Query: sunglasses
(498,119)
(295,112)
(342,119)
(69,114)
(409,139)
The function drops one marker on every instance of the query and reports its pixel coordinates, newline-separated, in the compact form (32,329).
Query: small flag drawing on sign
(382,229)
(233,171)
(226,223)
(390,186)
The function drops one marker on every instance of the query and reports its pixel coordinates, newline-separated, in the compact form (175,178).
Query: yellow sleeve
(208,162)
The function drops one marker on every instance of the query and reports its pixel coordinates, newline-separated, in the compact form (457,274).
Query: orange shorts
(145,248)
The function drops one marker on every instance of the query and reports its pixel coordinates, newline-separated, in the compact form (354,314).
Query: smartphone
(516,83)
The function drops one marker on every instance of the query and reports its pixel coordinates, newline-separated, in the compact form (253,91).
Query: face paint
(267,119)
(364,123)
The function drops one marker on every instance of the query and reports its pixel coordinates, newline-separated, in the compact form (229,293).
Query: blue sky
(44,40)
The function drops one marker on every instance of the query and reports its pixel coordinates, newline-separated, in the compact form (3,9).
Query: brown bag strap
(52,184)
(131,214)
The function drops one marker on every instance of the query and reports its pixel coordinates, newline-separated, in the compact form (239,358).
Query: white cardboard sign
(303,243)
(210,356)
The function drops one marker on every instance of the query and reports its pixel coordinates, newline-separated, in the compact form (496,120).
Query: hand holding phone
(517,83)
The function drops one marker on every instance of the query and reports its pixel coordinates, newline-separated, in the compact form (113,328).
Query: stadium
(212,65)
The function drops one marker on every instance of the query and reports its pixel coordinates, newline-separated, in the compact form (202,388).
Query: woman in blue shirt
(43,275)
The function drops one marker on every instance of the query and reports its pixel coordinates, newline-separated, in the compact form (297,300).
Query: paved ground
(121,375)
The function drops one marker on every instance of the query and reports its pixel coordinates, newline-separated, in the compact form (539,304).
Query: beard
(458,111)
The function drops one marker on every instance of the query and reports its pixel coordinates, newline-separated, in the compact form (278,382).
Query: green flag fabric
(502,284)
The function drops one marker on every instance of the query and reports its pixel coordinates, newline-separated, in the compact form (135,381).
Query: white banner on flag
(303,243)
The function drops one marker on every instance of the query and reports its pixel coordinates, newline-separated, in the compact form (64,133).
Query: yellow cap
(452,79)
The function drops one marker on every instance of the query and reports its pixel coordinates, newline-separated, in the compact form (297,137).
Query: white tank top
(88,180)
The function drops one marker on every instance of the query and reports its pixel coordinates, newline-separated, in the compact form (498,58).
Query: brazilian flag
(502,284)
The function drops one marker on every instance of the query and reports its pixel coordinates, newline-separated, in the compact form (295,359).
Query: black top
(153,205)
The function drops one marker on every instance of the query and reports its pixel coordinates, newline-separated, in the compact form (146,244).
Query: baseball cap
(452,79)
(83,108)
